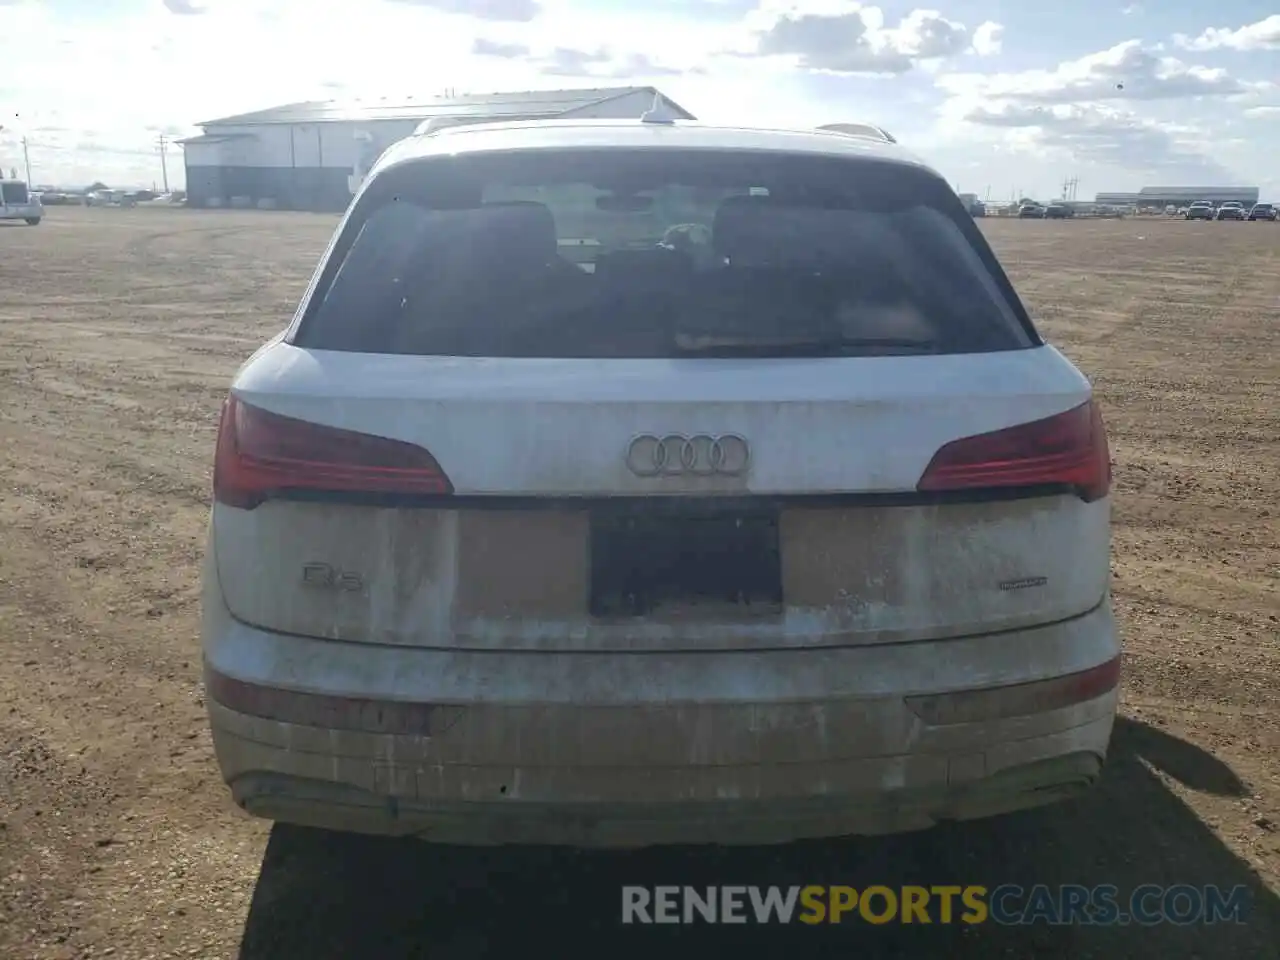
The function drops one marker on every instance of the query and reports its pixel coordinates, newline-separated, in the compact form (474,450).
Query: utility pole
(164,163)
(26,160)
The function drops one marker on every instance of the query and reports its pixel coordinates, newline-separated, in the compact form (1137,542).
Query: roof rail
(868,130)
(436,124)
(427,127)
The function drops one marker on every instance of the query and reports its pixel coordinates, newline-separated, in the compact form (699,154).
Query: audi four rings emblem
(676,455)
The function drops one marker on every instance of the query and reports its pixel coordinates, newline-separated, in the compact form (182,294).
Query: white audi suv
(621,483)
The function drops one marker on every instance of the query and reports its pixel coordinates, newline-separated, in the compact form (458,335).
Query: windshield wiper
(713,346)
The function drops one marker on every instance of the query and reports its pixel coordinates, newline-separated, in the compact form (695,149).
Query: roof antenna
(658,113)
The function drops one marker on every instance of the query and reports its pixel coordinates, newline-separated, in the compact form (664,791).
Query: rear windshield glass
(661,253)
(15,192)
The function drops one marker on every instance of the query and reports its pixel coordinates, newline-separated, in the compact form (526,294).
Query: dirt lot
(118,333)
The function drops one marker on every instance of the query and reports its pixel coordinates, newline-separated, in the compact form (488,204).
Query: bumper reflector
(1017,700)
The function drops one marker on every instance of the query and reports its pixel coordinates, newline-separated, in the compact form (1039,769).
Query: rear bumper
(619,749)
(340,805)
(21,212)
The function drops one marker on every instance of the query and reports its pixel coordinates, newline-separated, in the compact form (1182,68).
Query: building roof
(1178,194)
(607,134)
(526,104)
(214,138)
(1195,192)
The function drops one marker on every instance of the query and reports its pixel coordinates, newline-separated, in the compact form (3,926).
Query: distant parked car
(1032,211)
(109,198)
(1058,211)
(1232,210)
(1264,211)
(1200,210)
(977,209)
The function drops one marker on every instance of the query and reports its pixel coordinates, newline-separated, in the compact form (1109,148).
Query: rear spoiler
(867,130)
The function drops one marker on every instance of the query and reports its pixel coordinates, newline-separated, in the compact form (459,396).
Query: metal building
(312,156)
(1179,196)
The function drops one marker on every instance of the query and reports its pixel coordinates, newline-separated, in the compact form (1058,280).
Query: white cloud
(1075,109)
(1263,35)
(178,72)
(601,63)
(928,35)
(836,36)
(1126,71)
(514,11)
(987,39)
(775,63)
(484,47)
(1113,138)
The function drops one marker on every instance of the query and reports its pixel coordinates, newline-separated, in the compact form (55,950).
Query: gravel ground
(119,330)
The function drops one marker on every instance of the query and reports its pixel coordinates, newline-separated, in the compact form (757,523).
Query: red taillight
(1018,700)
(1068,449)
(261,454)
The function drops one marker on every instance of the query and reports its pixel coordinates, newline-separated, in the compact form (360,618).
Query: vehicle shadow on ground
(322,895)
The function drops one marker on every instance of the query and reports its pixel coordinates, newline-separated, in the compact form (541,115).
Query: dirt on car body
(120,331)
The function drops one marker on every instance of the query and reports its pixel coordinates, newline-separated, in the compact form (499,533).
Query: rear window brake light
(1068,449)
(262,455)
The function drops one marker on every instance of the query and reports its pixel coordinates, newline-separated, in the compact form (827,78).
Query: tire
(33,221)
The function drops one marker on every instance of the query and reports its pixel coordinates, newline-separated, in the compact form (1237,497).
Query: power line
(93,149)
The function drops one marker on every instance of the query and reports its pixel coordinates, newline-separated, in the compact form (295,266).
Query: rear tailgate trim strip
(676,502)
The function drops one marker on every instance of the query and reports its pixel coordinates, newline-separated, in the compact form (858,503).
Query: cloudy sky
(998,95)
